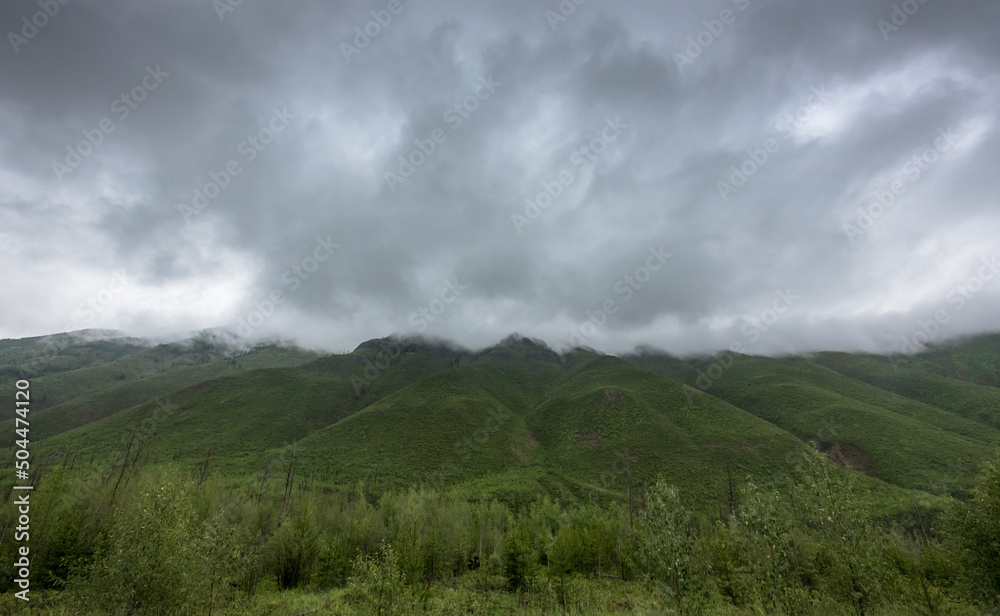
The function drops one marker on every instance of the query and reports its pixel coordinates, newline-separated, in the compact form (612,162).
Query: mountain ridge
(413,410)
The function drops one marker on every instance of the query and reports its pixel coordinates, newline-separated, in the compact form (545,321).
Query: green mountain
(132,372)
(975,359)
(918,380)
(868,429)
(41,355)
(518,419)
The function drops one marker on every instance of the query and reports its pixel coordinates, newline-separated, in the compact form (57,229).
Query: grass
(482,596)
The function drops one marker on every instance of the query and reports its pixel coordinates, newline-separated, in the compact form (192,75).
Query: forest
(162,540)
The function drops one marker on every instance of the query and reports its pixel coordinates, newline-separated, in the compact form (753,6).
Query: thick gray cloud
(701,168)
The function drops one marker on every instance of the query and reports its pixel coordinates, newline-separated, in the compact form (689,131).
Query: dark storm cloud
(741,137)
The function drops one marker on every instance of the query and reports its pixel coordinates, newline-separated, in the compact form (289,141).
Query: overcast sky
(365,168)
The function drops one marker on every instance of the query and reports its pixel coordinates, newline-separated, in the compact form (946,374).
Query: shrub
(974,530)
(293,550)
(146,561)
(376,583)
(666,545)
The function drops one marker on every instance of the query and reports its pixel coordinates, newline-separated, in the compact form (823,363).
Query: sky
(773,177)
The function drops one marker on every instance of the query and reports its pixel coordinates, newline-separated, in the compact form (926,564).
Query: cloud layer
(789,176)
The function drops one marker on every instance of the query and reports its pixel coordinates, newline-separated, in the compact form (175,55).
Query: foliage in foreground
(167,543)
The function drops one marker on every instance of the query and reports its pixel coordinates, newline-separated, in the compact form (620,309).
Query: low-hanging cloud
(530,156)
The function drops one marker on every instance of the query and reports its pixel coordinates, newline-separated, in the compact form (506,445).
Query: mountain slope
(518,419)
(863,427)
(979,403)
(975,359)
(41,355)
(239,418)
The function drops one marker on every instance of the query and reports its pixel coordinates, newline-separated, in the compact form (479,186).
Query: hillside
(517,418)
(918,441)
(41,355)
(921,379)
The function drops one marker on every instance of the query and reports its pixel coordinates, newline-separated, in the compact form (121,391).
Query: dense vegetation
(411,477)
(166,541)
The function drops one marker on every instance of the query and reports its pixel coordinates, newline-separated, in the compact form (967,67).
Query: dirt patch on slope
(850,456)
(610,395)
(521,450)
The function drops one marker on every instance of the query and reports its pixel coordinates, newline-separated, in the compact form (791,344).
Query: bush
(666,544)
(293,550)
(146,561)
(852,552)
(974,529)
(376,583)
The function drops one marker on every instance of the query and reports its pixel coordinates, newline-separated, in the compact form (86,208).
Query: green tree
(58,537)
(147,561)
(293,550)
(376,583)
(974,529)
(853,547)
(666,546)
(517,558)
(488,530)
